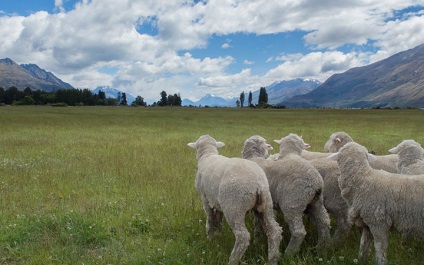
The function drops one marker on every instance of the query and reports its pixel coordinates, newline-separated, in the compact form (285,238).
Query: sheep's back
(393,199)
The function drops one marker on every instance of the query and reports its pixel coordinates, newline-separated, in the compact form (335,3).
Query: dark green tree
(242,99)
(2,95)
(250,98)
(163,99)
(124,99)
(139,101)
(263,97)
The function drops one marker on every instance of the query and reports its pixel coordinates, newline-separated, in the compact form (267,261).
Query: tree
(164,99)
(2,92)
(139,101)
(124,99)
(250,98)
(263,97)
(238,103)
(242,99)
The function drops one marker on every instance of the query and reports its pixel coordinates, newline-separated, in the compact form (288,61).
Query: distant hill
(277,92)
(28,75)
(113,93)
(397,81)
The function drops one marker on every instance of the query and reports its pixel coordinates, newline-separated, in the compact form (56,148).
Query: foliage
(250,98)
(242,99)
(110,186)
(263,97)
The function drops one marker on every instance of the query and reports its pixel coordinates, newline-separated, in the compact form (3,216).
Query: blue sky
(193,48)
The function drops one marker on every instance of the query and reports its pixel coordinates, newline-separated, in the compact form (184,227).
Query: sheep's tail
(261,201)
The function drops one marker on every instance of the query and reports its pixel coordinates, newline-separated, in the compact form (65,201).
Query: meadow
(115,185)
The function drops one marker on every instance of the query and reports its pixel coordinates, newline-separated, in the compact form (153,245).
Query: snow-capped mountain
(113,93)
(277,92)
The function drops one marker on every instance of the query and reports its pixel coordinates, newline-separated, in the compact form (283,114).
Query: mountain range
(28,75)
(277,92)
(397,81)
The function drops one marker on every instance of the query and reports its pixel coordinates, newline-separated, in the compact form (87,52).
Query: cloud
(77,44)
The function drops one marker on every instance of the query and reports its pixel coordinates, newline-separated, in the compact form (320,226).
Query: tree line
(262,100)
(71,97)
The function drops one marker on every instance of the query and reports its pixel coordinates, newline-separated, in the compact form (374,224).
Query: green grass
(115,185)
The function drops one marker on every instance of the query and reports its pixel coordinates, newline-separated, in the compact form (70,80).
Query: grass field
(115,185)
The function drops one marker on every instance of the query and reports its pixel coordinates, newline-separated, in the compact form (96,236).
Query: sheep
(411,160)
(339,139)
(378,200)
(231,187)
(334,143)
(295,185)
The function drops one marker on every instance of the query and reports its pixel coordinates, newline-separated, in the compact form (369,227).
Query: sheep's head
(337,140)
(256,146)
(352,153)
(292,143)
(205,140)
(408,147)
(206,145)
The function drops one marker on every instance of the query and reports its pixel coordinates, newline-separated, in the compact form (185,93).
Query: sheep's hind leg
(322,221)
(238,226)
(381,241)
(273,232)
(298,233)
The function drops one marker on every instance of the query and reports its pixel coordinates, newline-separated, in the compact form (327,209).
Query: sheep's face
(206,140)
(256,146)
(408,147)
(337,140)
(292,142)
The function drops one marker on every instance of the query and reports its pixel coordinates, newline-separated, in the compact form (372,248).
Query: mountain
(397,81)
(44,75)
(113,93)
(209,100)
(277,92)
(280,91)
(29,75)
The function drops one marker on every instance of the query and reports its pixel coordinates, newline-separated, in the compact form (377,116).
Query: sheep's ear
(338,139)
(192,145)
(277,141)
(334,157)
(372,158)
(394,150)
(306,146)
(269,147)
(219,144)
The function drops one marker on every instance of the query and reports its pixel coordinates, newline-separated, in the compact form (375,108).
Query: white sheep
(411,160)
(295,185)
(334,143)
(339,139)
(379,201)
(231,187)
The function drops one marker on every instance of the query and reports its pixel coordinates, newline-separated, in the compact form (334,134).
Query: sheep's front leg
(364,247)
(213,220)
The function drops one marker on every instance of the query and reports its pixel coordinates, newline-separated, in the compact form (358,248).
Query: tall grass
(115,185)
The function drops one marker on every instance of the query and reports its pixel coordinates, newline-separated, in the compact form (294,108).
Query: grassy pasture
(115,185)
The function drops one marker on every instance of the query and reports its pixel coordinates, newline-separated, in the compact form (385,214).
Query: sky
(219,47)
